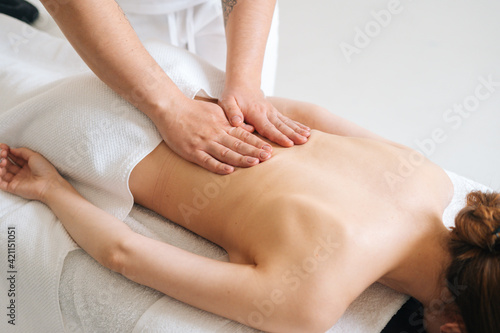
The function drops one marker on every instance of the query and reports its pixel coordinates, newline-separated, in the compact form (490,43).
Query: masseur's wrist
(251,81)
(156,99)
(165,112)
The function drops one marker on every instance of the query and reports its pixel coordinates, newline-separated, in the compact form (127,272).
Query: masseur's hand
(251,106)
(30,176)
(199,132)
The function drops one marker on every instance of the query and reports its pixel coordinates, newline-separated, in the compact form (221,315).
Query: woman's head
(475,266)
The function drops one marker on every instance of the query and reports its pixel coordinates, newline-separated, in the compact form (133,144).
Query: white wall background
(428,58)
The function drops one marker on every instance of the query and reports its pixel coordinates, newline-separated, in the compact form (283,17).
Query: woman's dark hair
(474,274)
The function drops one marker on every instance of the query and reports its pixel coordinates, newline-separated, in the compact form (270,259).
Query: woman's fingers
(4,151)
(4,185)
(20,156)
(11,167)
(12,155)
(7,177)
(3,159)
(6,155)
(6,164)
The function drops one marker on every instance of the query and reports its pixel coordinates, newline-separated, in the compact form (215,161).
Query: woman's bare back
(315,215)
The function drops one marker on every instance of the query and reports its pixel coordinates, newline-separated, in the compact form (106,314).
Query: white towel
(102,136)
(53,104)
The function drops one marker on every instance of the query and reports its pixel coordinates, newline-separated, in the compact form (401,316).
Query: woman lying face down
(306,231)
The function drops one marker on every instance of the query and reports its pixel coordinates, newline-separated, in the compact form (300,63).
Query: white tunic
(197,26)
(153,7)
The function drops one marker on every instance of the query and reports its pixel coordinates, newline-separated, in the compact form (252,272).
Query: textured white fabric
(41,244)
(200,29)
(158,6)
(92,122)
(51,103)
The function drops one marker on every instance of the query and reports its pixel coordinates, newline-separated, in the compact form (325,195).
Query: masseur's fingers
(232,110)
(303,127)
(271,127)
(248,144)
(236,152)
(299,129)
(247,127)
(289,128)
(228,156)
(259,112)
(208,162)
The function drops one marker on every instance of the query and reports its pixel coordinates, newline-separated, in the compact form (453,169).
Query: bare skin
(306,232)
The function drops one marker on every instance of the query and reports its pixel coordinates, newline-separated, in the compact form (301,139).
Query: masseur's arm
(196,130)
(247,28)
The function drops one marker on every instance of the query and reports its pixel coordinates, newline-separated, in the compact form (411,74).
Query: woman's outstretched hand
(199,132)
(245,105)
(29,176)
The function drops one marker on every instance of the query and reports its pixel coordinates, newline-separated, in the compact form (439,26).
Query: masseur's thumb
(232,110)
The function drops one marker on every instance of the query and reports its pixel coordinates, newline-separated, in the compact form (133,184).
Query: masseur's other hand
(29,176)
(200,132)
(251,106)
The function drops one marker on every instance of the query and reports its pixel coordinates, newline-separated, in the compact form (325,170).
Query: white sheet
(53,104)
(93,298)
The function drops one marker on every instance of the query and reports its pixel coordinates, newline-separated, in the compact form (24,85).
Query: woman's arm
(34,178)
(196,130)
(223,288)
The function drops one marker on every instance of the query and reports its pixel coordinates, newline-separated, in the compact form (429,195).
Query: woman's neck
(421,273)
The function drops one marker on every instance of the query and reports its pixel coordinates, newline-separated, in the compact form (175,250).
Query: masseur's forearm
(247,28)
(94,230)
(103,37)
